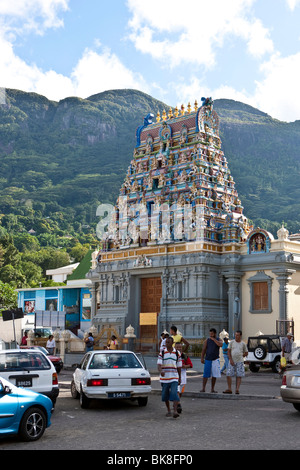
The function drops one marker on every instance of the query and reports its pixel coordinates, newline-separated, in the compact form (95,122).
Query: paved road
(256,420)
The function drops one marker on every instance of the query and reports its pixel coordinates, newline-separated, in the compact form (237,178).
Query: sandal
(169,414)
(237,392)
(228,391)
(175,415)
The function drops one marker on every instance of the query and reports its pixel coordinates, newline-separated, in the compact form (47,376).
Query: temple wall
(254,322)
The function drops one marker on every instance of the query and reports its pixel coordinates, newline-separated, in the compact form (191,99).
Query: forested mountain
(59,160)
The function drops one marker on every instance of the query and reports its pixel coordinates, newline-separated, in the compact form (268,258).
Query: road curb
(206,395)
(222,396)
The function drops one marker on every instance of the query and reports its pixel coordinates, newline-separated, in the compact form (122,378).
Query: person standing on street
(225,354)
(50,346)
(186,364)
(169,366)
(24,339)
(89,342)
(237,350)
(113,343)
(178,338)
(210,358)
(287,347)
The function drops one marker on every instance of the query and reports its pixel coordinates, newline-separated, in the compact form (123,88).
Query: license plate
(24,382)
(119,395)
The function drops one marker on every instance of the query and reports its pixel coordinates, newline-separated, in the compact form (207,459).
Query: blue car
(23,412)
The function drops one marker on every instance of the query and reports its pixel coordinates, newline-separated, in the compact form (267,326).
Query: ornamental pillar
(233,279)
(283,276)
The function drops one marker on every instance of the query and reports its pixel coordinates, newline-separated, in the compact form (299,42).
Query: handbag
(283,362)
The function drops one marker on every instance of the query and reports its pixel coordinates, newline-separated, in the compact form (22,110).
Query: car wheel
(296,406)
(276,365)
(33,425)
(260,352)
(142,401)
(254,367)
(74,392)
(84,400)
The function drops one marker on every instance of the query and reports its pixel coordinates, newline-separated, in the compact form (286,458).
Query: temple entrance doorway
(151,293)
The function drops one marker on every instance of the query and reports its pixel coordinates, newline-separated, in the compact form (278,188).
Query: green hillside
(60,160)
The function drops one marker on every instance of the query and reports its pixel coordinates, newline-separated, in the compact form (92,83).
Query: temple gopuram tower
(176,224)
(179,250)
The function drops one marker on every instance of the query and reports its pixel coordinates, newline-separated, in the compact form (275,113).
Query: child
(186,364)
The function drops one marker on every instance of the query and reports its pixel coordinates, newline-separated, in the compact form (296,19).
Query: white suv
(30,369)
(264,350)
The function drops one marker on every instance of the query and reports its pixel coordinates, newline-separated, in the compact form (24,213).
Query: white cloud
(169,32)
(36,15)
(97,72)
(292,4)
(15,73)
(93,73)
(195,89)
(278,93)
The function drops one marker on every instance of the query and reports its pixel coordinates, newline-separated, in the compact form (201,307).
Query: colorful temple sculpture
(178,248)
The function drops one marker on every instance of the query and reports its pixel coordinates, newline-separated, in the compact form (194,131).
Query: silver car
(290,388)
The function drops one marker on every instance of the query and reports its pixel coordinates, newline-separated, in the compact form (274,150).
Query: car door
(80,372)
(9,405)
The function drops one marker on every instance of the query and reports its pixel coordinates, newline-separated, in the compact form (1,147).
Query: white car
(31,369)
(111,375)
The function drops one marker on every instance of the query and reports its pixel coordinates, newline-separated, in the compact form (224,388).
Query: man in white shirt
(237,350)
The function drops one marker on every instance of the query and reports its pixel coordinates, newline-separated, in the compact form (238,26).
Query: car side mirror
(4,389)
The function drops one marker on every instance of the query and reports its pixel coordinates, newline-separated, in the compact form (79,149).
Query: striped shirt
(169,363)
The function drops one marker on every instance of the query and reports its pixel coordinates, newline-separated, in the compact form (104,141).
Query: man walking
(237,350)
(210,358)
(169,365)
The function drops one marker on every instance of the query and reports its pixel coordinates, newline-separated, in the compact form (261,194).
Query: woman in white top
(50,346)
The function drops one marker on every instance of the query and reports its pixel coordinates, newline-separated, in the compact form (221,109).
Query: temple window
(260,293)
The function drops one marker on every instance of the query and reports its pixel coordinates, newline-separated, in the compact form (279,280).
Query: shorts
(169,391)
(212,368)
(237,370)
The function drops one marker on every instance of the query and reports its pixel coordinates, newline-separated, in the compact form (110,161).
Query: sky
(176,51)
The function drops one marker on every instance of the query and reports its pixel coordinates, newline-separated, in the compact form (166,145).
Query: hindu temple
(178,248)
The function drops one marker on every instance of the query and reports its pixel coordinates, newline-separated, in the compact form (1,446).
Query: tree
(12,275)
(78,252)
(8,297)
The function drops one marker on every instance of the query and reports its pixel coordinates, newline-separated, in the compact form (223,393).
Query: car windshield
(114,361)
(16,361)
